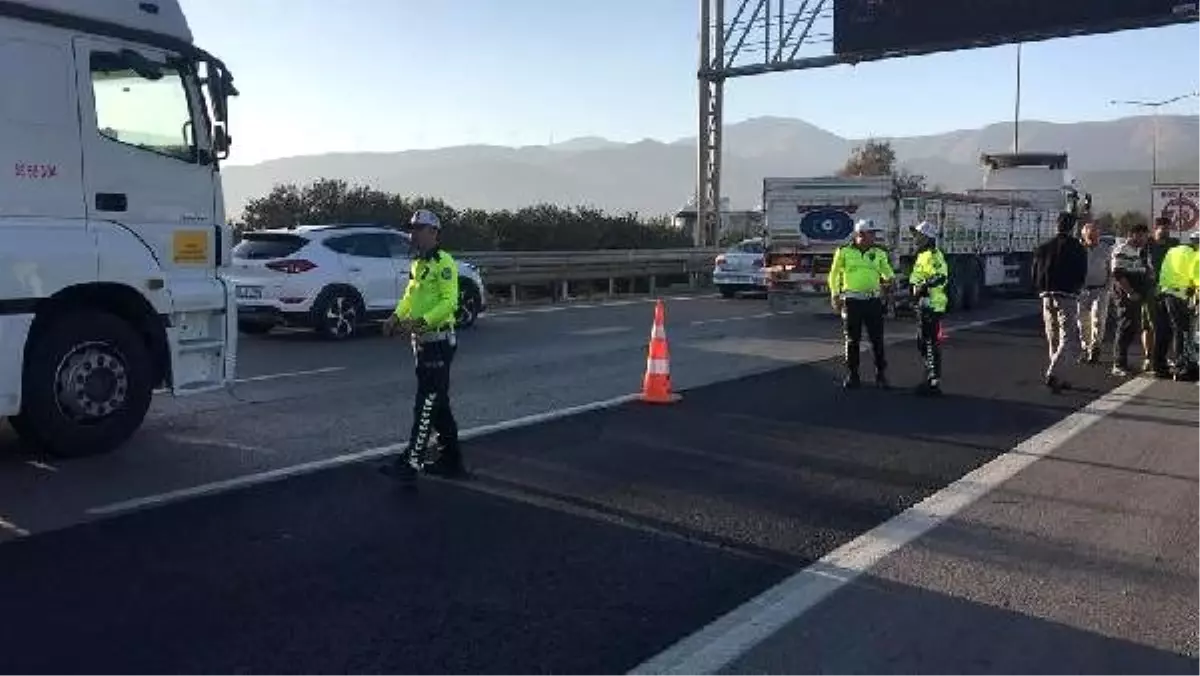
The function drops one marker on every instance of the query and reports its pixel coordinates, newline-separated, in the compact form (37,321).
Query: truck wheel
(972,291)
(86,387)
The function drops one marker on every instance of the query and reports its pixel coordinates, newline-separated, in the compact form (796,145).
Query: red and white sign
(1178,202)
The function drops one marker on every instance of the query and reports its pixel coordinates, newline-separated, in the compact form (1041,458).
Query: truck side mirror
(221,142)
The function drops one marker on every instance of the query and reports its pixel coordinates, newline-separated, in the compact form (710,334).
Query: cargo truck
(988,234)
(113,237)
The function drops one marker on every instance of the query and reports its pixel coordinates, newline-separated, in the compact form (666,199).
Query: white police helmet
(866,225)
(927,229)
(424,218)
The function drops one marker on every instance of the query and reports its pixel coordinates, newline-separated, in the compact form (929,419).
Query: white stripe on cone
(658,367)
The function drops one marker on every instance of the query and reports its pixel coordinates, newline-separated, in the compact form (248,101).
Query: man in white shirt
(1094,297)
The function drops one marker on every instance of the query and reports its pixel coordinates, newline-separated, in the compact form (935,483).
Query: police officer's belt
(434,336)
(1178,293)
(860,295)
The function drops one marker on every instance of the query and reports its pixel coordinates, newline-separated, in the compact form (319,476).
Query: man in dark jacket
(1059,271)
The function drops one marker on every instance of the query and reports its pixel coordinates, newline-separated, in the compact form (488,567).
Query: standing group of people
(1152,283)
(858,278)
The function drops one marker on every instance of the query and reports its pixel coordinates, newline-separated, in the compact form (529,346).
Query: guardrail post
(514,294)
(612,287)
(653,284)
(566,290)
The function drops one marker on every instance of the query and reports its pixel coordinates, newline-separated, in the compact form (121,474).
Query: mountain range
(1111,158)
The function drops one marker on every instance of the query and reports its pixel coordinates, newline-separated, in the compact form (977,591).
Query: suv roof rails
(347,226)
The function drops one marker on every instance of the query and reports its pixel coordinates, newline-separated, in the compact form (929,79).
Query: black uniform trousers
(859,313)
(431,411)
(1129,325)
(928,323)
(1173,322)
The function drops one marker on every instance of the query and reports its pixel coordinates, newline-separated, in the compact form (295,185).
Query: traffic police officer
(427,313)
(859,272)
(928,281)
(1177,282)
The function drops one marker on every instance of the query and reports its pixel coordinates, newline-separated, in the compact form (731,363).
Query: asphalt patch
(584,545)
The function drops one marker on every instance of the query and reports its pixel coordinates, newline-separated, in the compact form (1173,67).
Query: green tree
(877,158)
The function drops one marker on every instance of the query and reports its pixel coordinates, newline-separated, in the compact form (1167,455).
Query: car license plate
(249,292)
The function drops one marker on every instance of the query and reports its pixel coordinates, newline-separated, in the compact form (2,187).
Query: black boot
(402,469)
(449,464)
(928,389)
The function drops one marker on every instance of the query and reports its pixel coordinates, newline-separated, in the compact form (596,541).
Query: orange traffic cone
(656,386)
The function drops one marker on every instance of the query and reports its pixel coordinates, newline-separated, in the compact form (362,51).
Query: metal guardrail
(537,267)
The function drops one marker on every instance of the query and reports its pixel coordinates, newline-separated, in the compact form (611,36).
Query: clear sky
(376,75)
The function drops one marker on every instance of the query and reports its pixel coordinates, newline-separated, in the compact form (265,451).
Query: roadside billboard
(1178,202)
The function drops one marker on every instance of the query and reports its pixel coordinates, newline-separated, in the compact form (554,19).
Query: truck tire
(86,386)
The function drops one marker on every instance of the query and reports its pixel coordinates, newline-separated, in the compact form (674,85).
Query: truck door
(149,179)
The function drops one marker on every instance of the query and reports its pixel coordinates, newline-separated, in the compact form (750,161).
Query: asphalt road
(584,545)
(304,400)
(1084,563)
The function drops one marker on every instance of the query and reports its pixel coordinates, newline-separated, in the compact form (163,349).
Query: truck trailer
(988,235)
(113,237)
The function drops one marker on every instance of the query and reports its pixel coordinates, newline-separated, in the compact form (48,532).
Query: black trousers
(928,323)
(1129,325)
(856,315)
(431,411)
(1172,322)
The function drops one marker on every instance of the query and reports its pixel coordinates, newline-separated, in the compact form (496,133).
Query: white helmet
(927,229)
(866,225)
(425,218)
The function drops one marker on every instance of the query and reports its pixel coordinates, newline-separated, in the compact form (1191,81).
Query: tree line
(543,227)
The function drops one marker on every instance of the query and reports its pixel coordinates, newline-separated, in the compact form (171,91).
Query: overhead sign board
(873,29)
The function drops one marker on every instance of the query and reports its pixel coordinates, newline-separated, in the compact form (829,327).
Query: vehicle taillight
(720,260)
(292,267)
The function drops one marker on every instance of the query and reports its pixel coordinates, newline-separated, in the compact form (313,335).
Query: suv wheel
(338,313)
(468,307)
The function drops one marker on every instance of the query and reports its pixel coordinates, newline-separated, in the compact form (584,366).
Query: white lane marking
(600,331)
(38,464)
(592,306)
(275,376)
(290,374)
(720,643)
(347,458)
(13,528)
(206,441)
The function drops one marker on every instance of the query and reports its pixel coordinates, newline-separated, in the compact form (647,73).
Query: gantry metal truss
(763,36)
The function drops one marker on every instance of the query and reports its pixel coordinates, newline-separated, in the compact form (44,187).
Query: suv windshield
(263,246)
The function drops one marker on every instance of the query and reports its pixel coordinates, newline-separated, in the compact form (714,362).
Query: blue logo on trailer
(827,225)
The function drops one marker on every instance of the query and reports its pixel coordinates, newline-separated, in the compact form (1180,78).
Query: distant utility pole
(1154,106)
(1017,107)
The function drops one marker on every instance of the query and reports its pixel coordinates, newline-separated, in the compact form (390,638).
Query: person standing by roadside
(427,313)
(1059,270)
(928,281)
(1158,248)
(857,279)
(1094,298)
(1133,283)
(1177,281)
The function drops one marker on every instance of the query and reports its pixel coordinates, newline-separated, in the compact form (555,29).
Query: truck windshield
(146,110)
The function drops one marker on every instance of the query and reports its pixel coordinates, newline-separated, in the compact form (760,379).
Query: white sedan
(740,268)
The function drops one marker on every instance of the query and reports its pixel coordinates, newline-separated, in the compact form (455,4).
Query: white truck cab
(113,237)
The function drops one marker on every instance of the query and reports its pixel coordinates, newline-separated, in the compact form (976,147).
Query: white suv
(332,278)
